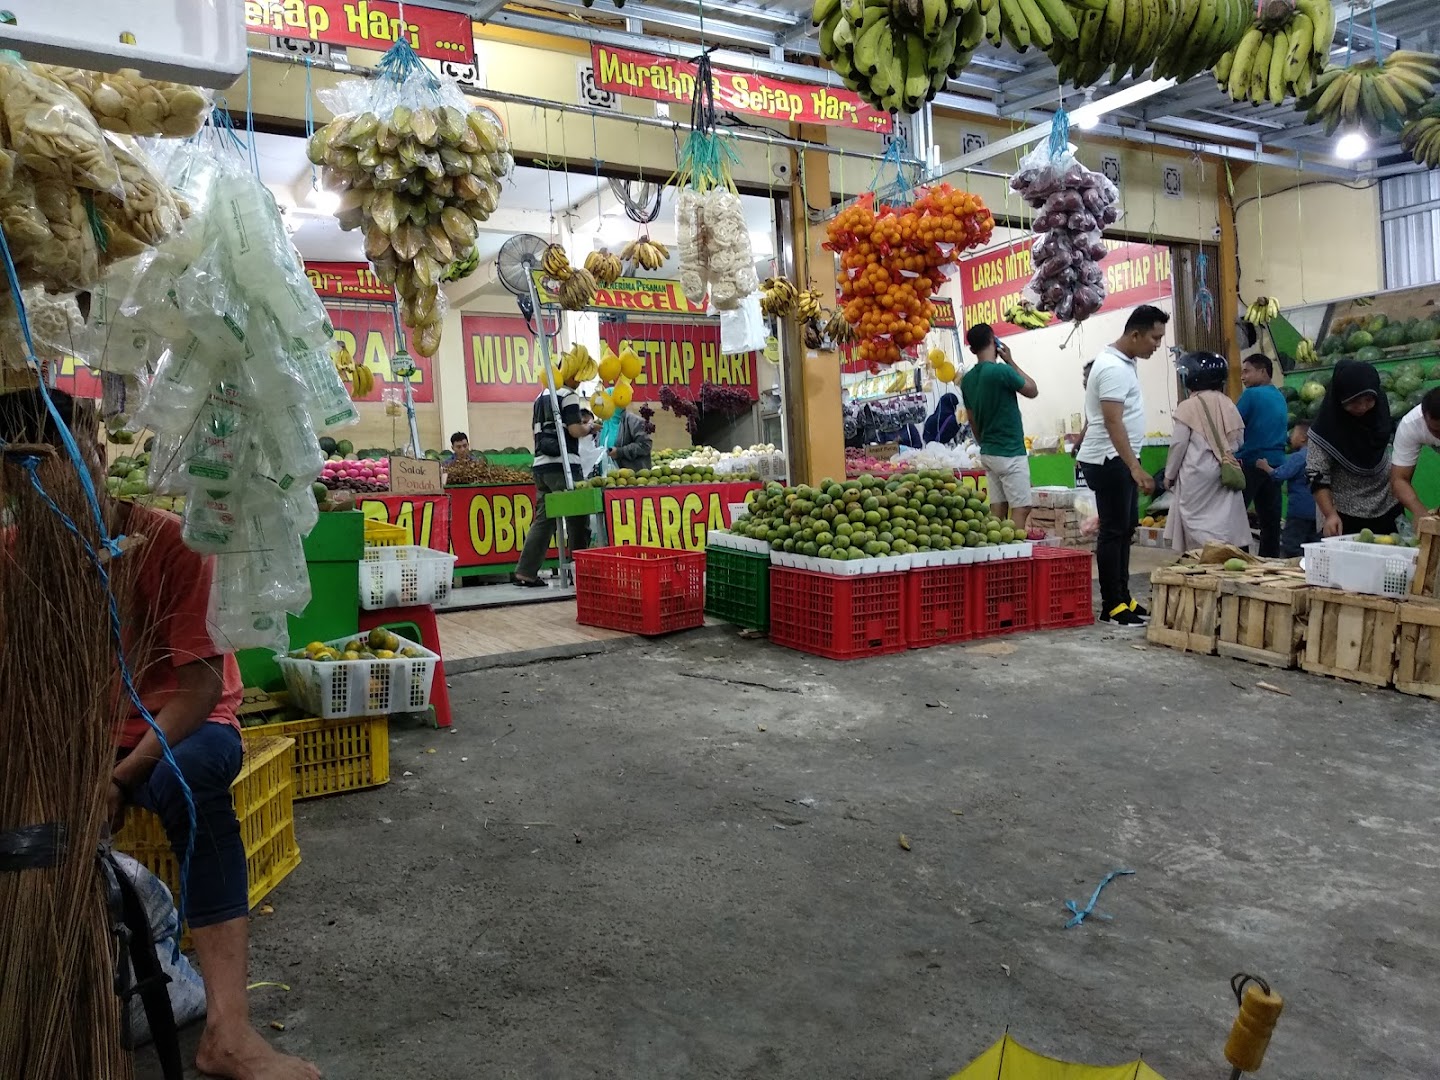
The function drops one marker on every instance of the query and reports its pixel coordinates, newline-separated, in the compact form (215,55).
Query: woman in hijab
(1201,507)
(941,425)
(1349,456)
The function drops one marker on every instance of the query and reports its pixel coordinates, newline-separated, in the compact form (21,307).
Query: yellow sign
(644,296)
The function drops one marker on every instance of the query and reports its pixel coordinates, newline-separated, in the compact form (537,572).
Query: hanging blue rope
(1204,298)
(893,160)
(1059,133)
(112,549)
(310,125)
(400,63)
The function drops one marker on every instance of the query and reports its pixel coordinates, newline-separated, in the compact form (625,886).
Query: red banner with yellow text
(683,356)
(348,281)
(502,361)
(666,78)
(670,517)
(994,280)
(426,518)
(488,525)
(366,24)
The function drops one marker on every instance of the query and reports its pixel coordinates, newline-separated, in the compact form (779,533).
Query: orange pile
(892,262)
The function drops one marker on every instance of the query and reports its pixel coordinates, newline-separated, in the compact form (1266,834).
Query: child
(1300,527)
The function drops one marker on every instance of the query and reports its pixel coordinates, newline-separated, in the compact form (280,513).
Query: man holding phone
(990,390)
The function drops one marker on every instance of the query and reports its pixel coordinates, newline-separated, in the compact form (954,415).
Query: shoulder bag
(1232,476)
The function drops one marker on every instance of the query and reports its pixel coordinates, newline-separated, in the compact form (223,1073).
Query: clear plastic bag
(232,620)
(147,214)
(52,131)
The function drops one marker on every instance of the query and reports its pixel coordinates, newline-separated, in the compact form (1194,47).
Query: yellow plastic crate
(383,534)
(264,803)
(332,756)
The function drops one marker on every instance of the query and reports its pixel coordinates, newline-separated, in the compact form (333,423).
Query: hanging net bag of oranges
(893,259)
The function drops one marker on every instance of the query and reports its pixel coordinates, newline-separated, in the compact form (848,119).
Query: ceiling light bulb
(1351,146)
(327,202)
(1086,120)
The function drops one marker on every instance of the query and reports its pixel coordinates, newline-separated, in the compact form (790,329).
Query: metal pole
(566,578)
(401,350)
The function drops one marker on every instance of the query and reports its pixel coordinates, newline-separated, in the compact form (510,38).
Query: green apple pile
(871,516)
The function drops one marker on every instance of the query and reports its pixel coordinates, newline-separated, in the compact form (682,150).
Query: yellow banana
(1279,65)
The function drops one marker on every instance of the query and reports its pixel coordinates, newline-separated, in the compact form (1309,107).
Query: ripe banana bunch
(605,267)
(1202,33)
(839,330)
(1114,35)
(1262,311)
(577,291)
(1373,95)
(897,54)
(1305,354)
(807,304)
(556,263)
(645,253)
(1421,136)
(1276,60)
(777,297)
(1025,315)
(362,382)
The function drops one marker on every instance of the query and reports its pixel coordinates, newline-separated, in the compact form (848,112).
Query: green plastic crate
(737,587)
(578,503)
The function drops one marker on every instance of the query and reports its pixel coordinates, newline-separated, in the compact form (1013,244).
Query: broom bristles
(58,711)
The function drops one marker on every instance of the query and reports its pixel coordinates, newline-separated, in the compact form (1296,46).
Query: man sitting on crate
(192,690)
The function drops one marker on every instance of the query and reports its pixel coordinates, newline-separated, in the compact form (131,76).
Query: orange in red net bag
(893,260)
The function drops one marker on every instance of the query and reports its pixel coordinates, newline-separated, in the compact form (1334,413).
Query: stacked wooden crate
(1062,523)
(1417,646)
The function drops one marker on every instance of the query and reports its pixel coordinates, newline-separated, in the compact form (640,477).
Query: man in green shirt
(989,389)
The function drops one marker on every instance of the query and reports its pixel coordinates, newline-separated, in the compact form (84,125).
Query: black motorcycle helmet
(1204,371)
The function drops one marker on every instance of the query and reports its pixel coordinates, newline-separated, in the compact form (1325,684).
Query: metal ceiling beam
(675,20)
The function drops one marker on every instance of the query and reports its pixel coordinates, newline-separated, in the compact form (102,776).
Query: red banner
(665,78)
(369,334)
(488,525)
(348,281)
(366,24)
(944,317)
(682,355)
(670,517)
(426,518)
(994,280)
(502,362)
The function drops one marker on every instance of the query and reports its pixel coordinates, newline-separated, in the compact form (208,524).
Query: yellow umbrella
(1008,1060)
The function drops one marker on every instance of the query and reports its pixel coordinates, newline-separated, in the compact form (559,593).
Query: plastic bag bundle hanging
(416,166)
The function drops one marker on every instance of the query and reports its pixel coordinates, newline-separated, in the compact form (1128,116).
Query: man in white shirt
(1109,457)
(1420,428)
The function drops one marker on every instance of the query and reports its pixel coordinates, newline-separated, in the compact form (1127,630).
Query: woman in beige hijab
(1202,508)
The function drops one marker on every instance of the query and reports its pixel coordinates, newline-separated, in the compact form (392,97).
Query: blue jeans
(218,887)
(1297,532)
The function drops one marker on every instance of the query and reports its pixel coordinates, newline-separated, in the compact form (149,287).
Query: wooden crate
(1184,612)
(1427,568)
(1351,636)
(1263,619)
(1417,664)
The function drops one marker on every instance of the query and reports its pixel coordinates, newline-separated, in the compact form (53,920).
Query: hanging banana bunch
(1025,316)
(807,304)
(606,268)
(839,330)
(1421,136)
(556,263)
(1373,95)
(1282,57)
(1262,311)
(778,297)
(646,254)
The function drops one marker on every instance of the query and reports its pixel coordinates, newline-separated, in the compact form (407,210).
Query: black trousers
(1117,497)
(1262,490)
(1383,525)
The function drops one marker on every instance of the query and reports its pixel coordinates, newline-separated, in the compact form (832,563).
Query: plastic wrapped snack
(146,215)
(53,133)
(69,258)
(126,102)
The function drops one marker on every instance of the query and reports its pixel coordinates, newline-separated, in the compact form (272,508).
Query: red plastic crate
(837,617)
(1063,589)
(1004,596)
(640,590)
(938,605)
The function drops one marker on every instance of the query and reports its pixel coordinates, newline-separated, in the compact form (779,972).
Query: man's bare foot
(242,1053)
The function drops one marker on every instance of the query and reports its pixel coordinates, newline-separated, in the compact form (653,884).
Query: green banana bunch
(1203,32)
(1421,136)
(1280,58)
(1022,23)
(1262,310)
(1375,95)
(1025,315)
(1126,36)
(898,54)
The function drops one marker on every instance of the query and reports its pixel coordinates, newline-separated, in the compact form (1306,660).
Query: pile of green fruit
(1377,338)
(1366,536)
(870,517)
(662,475)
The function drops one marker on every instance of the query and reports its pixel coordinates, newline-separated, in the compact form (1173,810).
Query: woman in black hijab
(1349,455)
(942,426)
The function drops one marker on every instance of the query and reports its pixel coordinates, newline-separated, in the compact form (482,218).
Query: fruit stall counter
(676,517)
(488,526)
(425,518)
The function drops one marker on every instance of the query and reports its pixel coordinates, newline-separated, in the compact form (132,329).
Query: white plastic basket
(344,688)
(1361,568)
(726,539)
(404,576)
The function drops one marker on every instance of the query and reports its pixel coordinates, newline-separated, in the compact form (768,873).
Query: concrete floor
(682,860)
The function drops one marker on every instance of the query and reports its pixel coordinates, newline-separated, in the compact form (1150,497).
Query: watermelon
(1289,393)
(1397,407)
(1376,323)
(1407,384)
(1360,339)
(344,448)
(1333,344)
(1312,391)
(1409,367)
(327,445)
(1387,381)
(1312,409)
(1390,337)
(1424,330)
(1368,354)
